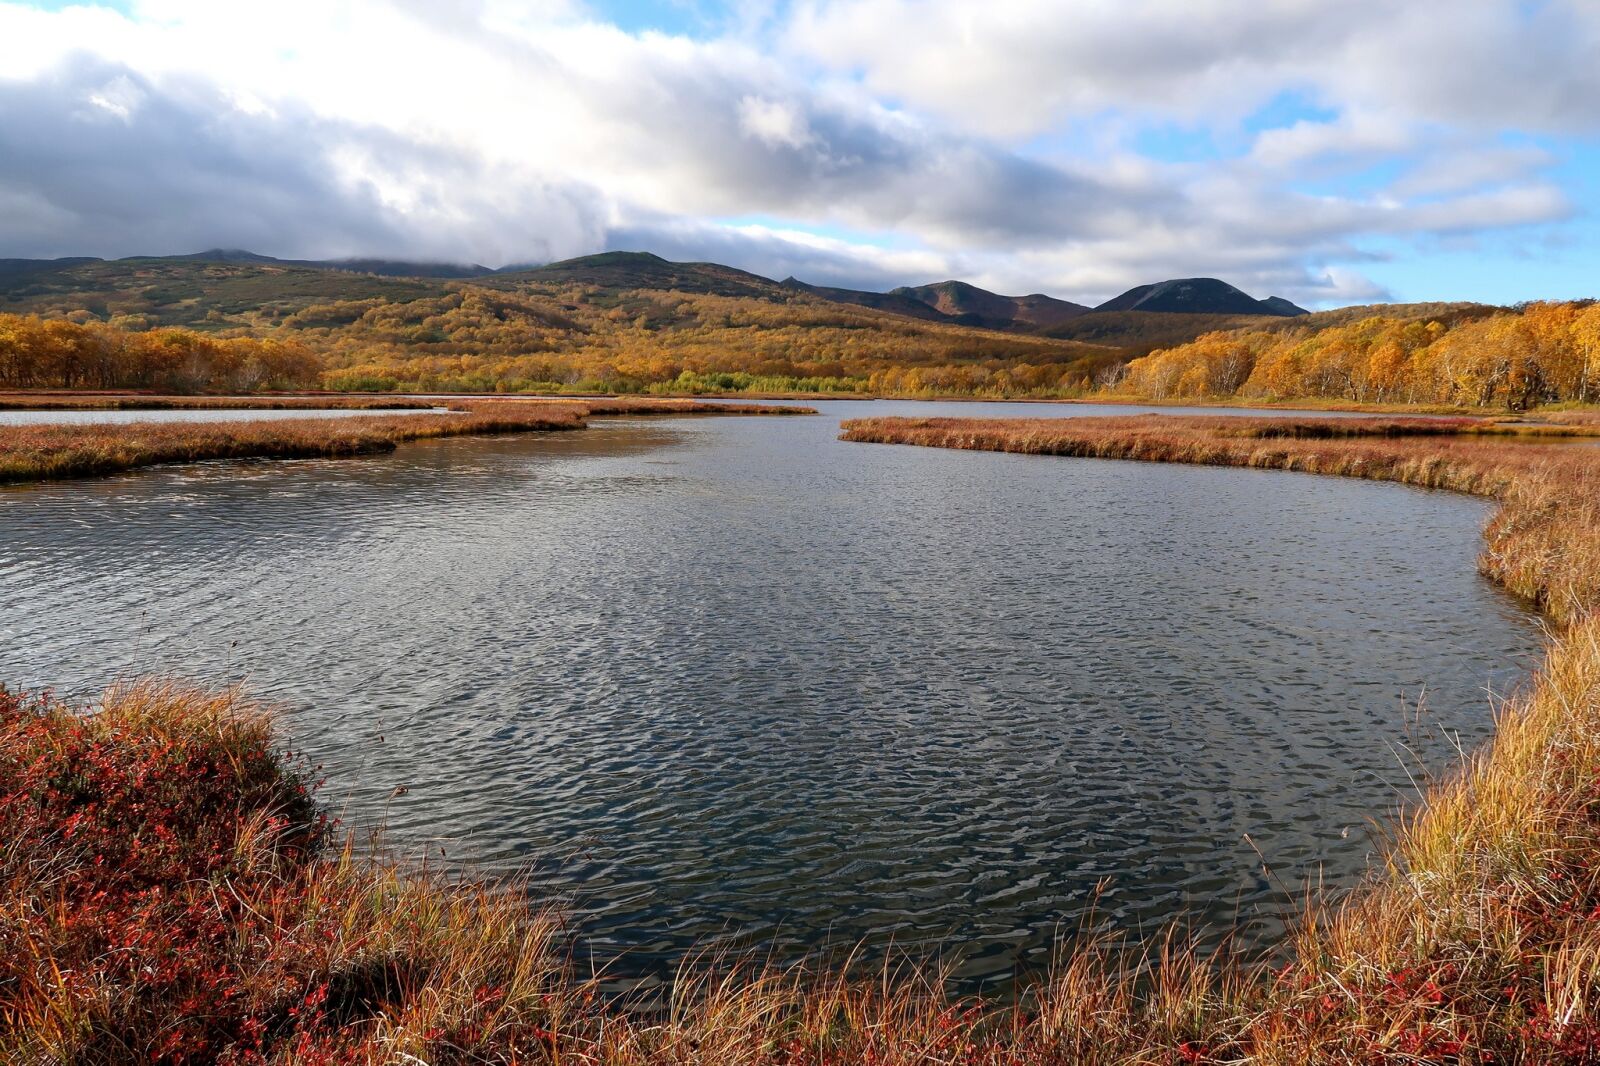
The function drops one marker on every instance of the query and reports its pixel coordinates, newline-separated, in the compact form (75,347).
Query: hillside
(629,321)
(616,322)
(1139,332)
(1446,354)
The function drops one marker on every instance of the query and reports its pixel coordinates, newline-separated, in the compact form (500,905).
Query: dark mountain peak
(614,259)
(646,270)
(224,255)
(971,305)
(1283,307)
(894,302)
(1192,296)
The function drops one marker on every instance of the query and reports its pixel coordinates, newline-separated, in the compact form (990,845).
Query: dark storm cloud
(95,160)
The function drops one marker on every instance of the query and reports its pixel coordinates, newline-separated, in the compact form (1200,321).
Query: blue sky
(1446,149)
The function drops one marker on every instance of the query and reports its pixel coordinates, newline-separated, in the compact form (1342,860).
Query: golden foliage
(1542,352)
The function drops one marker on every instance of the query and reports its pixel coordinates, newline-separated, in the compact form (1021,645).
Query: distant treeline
(585,341)
(1534,353)
(57,353)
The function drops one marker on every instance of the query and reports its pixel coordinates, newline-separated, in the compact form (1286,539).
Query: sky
(1332,153)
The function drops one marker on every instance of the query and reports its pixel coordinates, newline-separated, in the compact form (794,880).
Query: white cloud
(1017,67)
(1354,135)
(773,122)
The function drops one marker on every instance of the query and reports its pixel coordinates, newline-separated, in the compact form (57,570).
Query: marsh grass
(133,401)
(48,452)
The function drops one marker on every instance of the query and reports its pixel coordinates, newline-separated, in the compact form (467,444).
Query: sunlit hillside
(615,322)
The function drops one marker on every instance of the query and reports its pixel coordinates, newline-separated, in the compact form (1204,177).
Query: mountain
(390,268)
(972,306)
(893,302)
(645,270)
(1283,307)
(224,288)
(35,266)
(1206,296)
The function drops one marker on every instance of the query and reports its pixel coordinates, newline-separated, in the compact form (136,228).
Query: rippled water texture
(732,679)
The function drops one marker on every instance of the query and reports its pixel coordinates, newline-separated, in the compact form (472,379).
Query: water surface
(731,680)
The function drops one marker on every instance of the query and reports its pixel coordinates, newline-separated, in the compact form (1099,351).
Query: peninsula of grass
(50,452)
(171,893)
(135,401)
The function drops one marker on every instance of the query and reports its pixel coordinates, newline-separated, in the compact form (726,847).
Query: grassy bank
(46,452)
(137,401)
(170,892)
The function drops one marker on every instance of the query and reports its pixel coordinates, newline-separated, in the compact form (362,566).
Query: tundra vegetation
(171,891)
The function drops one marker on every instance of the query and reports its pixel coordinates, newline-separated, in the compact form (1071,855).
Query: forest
(1470,356)
(59,353)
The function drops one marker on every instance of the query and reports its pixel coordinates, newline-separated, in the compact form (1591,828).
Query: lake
(731,681)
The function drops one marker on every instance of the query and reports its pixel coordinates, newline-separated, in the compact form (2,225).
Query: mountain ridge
(970,305)
(951,300)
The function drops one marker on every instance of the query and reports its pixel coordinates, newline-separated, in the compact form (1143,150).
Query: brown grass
(48,452)
(88,400)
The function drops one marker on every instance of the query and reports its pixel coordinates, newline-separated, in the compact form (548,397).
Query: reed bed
(49,452)
(170,891)
(600,405)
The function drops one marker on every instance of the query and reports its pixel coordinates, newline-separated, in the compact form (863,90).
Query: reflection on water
(733,680)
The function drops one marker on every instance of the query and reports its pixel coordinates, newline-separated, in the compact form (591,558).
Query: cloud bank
(862,142)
